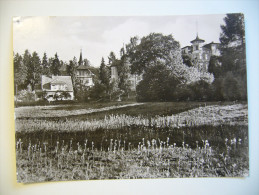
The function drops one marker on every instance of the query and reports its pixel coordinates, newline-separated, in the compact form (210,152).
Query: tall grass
(150,159)
(208,141)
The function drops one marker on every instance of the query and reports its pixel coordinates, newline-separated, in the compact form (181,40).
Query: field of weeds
(151,140)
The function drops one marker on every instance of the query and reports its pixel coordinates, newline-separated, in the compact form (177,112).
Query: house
(200,53)
(83,74)
(56,88)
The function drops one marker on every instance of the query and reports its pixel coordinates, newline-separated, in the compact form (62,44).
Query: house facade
(200,53)
(84,76)
(56,88)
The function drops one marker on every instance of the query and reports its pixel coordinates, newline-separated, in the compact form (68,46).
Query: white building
(56,88)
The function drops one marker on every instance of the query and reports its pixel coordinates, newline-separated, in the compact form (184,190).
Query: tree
(104,74)
(55,65)
(19,73)
(215,66)
(158,84)
(187,60)
(86,62)
(33,68)
(71,69)
(154,48)
(97,92)
(45,65)
(233,57)
(232,40)
(123,67)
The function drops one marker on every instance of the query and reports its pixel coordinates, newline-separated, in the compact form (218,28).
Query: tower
(80,62)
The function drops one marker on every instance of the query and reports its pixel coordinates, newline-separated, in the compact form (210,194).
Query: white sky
(97,36)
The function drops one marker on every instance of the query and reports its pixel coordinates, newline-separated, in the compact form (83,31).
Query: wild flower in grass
(226,141)
(233,141)
(197,144)
(167,141)
(92,146)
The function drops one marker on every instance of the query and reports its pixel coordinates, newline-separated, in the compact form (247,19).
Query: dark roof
(209,44)
(197,39)
(46,81)
(186,46)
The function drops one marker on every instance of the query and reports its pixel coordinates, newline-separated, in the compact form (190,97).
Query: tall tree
(45,65)
(55,65)
(157,84)
(33,66)
(19,72)
(104,73)
(154,48)
(232,40)
(86,62)
(233,54)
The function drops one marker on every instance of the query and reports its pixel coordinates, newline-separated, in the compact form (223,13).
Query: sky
(97,36)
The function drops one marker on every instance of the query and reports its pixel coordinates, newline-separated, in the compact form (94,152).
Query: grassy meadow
(131,140)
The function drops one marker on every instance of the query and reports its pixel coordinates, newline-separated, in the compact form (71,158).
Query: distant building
(56,88)
(133,79)
(84,74)
(200,53)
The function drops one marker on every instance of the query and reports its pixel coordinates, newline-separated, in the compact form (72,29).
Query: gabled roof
(66,80)
(187,47)
(209,44)
(197,40)
(83,67)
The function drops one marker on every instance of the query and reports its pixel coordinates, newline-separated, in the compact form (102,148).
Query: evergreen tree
(33,67)
(19,73)
(232,40)
(71,69)
(55,65)
(233,56)
(45,65)
(104,73)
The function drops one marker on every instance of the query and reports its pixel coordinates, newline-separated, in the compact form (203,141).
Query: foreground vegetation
(152,140)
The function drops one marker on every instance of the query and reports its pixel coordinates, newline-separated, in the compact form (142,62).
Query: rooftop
(197,40)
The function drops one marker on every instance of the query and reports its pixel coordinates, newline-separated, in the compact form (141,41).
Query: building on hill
(55,88)
(200,53)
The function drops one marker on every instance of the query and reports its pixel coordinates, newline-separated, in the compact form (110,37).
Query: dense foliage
(229,68)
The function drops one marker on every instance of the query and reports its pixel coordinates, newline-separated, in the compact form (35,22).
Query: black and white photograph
(130,97)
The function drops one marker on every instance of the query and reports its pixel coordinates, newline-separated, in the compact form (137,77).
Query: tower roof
(198,40)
